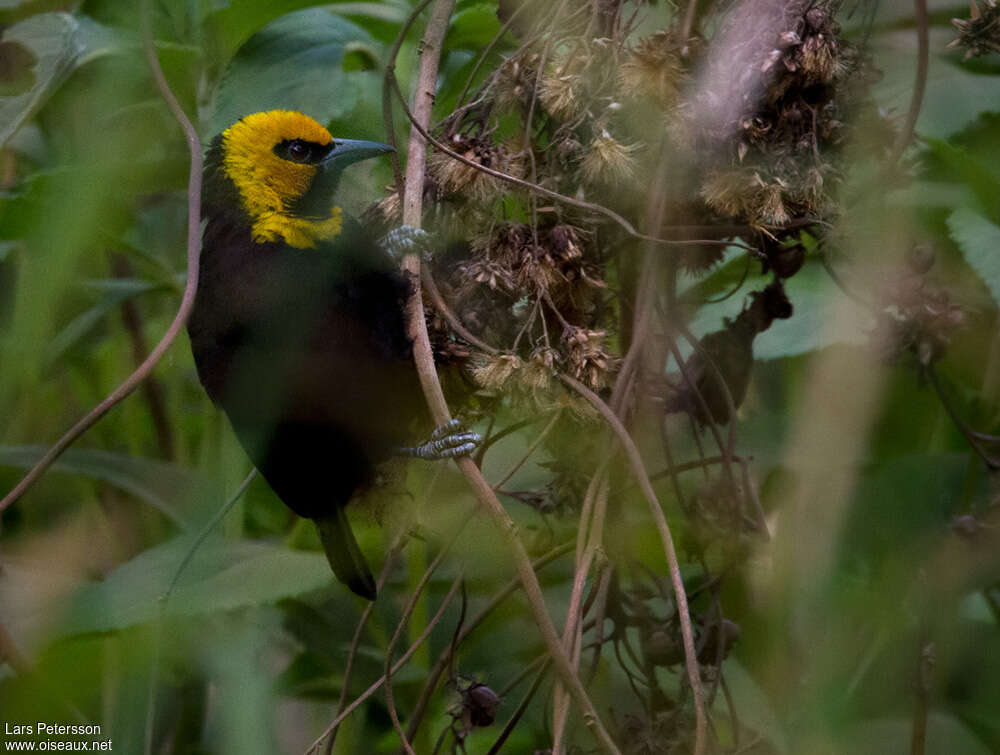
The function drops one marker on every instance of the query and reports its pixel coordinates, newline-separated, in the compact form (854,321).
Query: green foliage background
(250,648)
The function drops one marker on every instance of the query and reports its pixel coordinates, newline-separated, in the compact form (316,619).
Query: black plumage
(306,351)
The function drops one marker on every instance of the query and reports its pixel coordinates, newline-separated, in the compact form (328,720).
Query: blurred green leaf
(232,23)
(16,10)
(975,607)
(883,736)
(118,291)
(473,28)
(394,13)
(954,96)
(222,575)
(956,163)
(756,710)
(6,247)
(297,63)
(158,483)
(979,240)
(59,43)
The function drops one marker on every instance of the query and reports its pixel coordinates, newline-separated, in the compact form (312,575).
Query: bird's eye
(298,152)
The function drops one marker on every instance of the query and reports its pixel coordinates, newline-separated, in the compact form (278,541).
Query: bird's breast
(287,335)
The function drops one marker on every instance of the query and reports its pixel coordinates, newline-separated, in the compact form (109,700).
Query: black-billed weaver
(298,330)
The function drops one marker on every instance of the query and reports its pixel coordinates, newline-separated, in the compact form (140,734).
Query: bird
(298,330)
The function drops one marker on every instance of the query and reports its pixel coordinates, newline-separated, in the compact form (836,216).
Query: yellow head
(285,167)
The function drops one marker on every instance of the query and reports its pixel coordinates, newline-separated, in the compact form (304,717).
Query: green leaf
(50,46)
(473,28)
(297,63)
(231,24)
(954,96)
(223,575)
(117,292)
(158,483)
(975,607)
(16,10)
(881,735)
(756,710)
(389,12)
(979,240)
(962,164)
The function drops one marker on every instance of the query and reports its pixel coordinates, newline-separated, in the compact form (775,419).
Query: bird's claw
(406,240)
(449,441)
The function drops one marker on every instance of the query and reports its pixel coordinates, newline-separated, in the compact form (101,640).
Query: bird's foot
(449,441)
(406,240)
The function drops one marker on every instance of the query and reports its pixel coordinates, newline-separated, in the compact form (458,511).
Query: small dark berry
(481,703)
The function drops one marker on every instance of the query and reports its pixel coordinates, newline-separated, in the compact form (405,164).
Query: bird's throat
(297,232)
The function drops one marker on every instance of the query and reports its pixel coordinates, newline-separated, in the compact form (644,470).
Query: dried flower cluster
(775,156)
(456,179)
(654,70)
(980,33)
(916,317)
(538,291)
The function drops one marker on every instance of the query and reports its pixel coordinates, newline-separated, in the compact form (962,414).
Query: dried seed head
(457,178)
(608,160)
(561,90)
(566,242)
(770,206)
(489,273)
(980,33)
(546,357)
(726,191)
(916,318)
(819,58)
(493,372)
(515,81)
(588,360)
(653,71)
(538,270)
(537,375)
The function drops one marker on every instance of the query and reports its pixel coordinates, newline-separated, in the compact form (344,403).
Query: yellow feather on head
(269,184)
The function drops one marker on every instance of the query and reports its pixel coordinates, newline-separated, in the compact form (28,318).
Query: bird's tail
(344,555)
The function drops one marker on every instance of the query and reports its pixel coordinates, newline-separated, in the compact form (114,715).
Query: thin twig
(444,660)
(187,300)
(726,449)
(919,85)
(390,562)
(427,280)
(152,389)
(487,50)
(688,23)
(165,598)
(971,436)
(687,633)
(523,706)
(400,626)
(390,68)
(529,451)
(424,361)
(373,688)
(925,668)
(597,495)
(205,532)
(579,203)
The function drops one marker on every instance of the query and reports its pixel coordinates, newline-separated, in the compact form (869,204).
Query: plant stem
(144,370)
(424,359)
